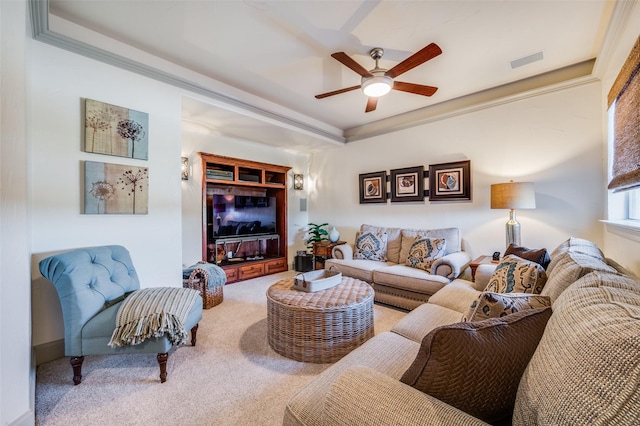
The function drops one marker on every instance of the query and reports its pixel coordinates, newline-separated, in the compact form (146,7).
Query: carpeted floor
(231,377)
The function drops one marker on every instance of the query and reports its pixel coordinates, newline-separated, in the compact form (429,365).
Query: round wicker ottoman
(319,327)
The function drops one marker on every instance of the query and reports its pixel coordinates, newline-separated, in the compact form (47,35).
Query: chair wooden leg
(194,331)
(76,364)
(162,362)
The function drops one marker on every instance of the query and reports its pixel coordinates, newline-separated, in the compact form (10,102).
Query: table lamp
(513,195)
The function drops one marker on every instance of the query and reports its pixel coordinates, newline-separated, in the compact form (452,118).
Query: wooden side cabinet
(480,260)
(322,251)
(244,216)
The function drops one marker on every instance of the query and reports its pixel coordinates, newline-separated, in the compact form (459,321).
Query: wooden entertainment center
(235,193)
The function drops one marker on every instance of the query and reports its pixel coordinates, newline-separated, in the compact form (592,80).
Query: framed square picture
(407,184)
(373,187)
(450,181)
(115,189)
(115,130)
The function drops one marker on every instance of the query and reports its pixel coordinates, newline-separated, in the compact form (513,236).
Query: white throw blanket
(154,312)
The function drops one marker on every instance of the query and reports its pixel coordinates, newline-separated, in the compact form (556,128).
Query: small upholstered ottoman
(208,279)
(319,327)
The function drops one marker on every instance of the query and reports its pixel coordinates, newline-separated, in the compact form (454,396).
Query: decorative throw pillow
(424,251)
(516,275)
(476,366)
(371,246)
(540,256)
(496,305)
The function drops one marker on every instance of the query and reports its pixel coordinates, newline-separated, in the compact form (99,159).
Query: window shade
(625,92)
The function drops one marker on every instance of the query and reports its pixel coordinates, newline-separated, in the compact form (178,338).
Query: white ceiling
(280,51)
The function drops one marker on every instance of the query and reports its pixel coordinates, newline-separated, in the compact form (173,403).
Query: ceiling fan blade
(346,60)
(418,89)
(337,92)
(372,103)
(420,57)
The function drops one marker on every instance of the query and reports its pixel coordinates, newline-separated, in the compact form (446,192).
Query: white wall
(553,140)
(16,394)
(59,81)
(192,143)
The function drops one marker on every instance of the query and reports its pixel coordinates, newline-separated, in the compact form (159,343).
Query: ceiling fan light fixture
(376,86)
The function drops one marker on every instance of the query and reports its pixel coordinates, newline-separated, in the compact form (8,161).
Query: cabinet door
(277,265)
(251,271)
(232,274)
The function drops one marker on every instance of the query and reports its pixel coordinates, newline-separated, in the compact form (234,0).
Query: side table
(484,259)
(322,251)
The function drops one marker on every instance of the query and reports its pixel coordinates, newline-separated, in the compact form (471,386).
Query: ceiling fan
(379,81)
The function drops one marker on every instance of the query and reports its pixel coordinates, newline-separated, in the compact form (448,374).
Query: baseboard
(27,419)
(49,351)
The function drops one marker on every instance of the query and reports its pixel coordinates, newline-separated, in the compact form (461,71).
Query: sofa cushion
(574,245)
(476,366)
(408,278)
(540,256)
(496,305)
(516,275)
(387,353)
(394,240)
(371,246)
(356,268)
(586,369)
(424,251)
(570,267)
(451,235)
(457,295)
(424,319)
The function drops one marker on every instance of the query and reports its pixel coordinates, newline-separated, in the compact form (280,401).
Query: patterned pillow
(424,251)
(371,246)
(476,366)
(517,275)
(496,305)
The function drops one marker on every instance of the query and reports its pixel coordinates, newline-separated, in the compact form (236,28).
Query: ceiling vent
(526,60)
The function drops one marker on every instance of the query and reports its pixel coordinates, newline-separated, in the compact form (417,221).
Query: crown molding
(575,75)
(39,15)
(561,79)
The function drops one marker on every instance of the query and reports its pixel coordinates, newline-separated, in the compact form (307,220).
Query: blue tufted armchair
(92,284)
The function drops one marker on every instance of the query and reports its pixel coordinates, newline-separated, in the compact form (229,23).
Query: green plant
(315,233)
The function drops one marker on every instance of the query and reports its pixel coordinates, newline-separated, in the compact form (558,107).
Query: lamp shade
(513,195)
(376,86)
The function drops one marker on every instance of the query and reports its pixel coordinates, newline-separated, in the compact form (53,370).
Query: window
(624,99)
(634,205)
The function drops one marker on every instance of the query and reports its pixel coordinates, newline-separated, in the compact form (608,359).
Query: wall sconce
(298,181)
(184,165)
(513,195)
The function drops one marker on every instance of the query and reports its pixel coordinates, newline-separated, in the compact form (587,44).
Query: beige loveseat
(394,282)
(584,370)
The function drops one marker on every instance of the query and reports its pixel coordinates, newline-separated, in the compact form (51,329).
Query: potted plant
(315,234)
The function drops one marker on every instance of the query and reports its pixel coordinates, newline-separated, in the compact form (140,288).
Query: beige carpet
(231,377)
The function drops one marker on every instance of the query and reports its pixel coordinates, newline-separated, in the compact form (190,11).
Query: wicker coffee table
(319,327)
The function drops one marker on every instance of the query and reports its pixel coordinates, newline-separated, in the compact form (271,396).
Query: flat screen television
(240,215)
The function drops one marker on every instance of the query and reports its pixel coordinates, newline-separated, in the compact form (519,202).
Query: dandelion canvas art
(115,130)
(115,189)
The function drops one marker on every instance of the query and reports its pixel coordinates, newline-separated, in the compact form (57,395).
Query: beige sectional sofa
(584,370)
(394,282)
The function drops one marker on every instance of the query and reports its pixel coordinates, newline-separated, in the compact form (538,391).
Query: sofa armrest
(343,251)
(451,265)
(364,396)
(483,275)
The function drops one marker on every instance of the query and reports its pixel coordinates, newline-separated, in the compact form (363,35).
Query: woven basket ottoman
(208,279)
(319,327)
